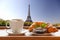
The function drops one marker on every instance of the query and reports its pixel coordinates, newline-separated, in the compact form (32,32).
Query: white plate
(10,31)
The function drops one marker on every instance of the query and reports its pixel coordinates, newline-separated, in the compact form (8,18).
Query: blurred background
(40,10)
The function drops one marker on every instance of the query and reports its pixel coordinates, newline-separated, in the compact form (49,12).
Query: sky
(41,10)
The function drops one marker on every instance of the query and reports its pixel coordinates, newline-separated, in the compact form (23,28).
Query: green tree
(27,23)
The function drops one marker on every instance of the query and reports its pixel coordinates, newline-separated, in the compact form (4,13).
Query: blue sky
(41,10)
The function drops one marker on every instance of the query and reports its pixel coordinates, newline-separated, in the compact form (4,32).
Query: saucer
(9,31)
(44,34)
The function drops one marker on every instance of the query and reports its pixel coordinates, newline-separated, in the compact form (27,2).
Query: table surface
(4,35)
(8,32)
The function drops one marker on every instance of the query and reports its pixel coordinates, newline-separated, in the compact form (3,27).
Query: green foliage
(3,23)
(27,23)
(56,24)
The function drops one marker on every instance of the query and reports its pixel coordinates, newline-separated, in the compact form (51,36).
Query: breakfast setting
(29,19)
(16,28)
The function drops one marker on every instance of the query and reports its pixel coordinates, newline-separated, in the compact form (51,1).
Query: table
(3,32)
(4,36)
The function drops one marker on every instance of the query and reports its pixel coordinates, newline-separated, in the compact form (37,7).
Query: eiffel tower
(28,17)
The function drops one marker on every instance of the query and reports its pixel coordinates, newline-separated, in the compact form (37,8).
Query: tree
(27,23)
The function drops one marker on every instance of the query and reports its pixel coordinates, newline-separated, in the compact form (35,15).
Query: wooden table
(16,37)
(33,37)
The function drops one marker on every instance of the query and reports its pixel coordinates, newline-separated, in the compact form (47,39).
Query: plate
(9,31)
(44,34)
